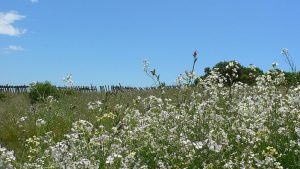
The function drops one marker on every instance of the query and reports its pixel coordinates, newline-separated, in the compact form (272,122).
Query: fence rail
(83,89)
(14,89)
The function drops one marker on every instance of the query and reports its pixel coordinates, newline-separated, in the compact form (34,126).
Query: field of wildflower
(208,125)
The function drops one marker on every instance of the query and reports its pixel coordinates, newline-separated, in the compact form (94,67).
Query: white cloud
(14,48)
(34,1)
(6,21)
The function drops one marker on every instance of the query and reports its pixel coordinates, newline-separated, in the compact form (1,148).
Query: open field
(149,84)
(205,126)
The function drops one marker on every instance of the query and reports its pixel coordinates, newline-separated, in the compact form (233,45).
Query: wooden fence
(83,89)
(14,89)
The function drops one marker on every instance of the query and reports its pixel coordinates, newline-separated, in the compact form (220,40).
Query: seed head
(153,72)
(284,51)
(195,54)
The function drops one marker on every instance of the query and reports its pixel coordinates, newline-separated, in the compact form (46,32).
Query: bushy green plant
(2,96)
(41,90)
(234,72)
(231,71)
(249,75)
(292,78)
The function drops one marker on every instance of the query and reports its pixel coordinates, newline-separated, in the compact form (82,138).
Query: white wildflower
(68,79)
(40,122)
(198,145)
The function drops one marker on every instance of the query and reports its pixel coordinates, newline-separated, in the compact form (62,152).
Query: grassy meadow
(208,125)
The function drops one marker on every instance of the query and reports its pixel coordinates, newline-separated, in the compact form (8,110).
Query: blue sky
(105,41)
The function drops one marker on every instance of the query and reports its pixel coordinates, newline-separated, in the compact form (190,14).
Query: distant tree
(234,72)
(231,70)
(249,75)
(292,78)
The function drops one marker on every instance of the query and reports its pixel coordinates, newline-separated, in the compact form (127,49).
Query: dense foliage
(41,90)
(235,72)
(292,78)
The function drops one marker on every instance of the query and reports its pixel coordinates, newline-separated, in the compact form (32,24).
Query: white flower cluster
(7,158)
(40,122)
(94,105)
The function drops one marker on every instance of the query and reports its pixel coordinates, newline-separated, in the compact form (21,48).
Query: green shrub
(41,90)
(292,78)
(249,75)
(2,96)
(235,72)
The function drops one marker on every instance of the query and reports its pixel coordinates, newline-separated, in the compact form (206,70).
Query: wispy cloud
(11,49)
(14,48)
(34,1)
(6,23)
